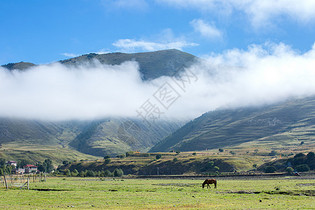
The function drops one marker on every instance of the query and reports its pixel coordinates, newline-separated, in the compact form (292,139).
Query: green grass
(161,194)
(35,153)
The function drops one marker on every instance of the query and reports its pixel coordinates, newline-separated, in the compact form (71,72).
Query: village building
(30,169)
(12,163)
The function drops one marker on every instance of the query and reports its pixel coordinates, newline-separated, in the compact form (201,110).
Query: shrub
(194,153)
(175,159)
(221,150)
(270,169)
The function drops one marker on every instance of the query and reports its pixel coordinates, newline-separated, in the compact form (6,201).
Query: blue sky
(46,31)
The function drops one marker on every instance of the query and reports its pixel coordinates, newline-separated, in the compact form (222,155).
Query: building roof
(30,166)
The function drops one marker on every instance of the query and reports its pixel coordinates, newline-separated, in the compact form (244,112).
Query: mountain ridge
(219,129)
(151,64)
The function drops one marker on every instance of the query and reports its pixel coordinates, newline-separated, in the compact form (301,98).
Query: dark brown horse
(208,182)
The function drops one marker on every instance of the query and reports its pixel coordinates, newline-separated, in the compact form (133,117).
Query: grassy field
(84,193)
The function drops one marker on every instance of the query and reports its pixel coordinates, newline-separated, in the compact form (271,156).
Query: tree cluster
(302,162)
(90,173)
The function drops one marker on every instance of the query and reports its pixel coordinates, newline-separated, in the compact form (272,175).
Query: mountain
(151,64)
(277,124)
(18,66)
(37,140)
(117,136)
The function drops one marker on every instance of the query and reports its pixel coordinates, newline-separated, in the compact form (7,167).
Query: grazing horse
(208,182)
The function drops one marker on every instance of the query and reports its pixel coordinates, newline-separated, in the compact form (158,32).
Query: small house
(30,169)
(12,163)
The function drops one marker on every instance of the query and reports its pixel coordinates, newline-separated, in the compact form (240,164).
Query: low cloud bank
(236,78)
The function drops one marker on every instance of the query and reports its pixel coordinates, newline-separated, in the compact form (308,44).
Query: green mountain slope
(152,64)
(98,138)
(116,136)
(75,138)
(294,119)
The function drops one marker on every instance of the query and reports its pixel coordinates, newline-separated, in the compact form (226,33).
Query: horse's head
(203,185)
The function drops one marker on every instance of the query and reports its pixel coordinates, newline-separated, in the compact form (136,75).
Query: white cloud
(205,29)
(56,92)
(257,76)
(70,55)
(260,12)
(132,45)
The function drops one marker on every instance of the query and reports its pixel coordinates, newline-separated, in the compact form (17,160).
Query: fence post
(5,181)
(28,183)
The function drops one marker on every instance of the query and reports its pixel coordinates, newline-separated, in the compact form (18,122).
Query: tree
(270,169)
(82,174)
(255,165)
(65,162)
(289,170)
(2,162)
(74,172)
(299,159)
(121,156)
(118,172)
(302,168)
(22,163)
(106,157)
(107,161)
(67,172)
(90,173)
(107,173)
(40,167)
(273,153)
(310,160)
(194,153)
(129,153)
(221,150)
(48,166)
(158,156)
